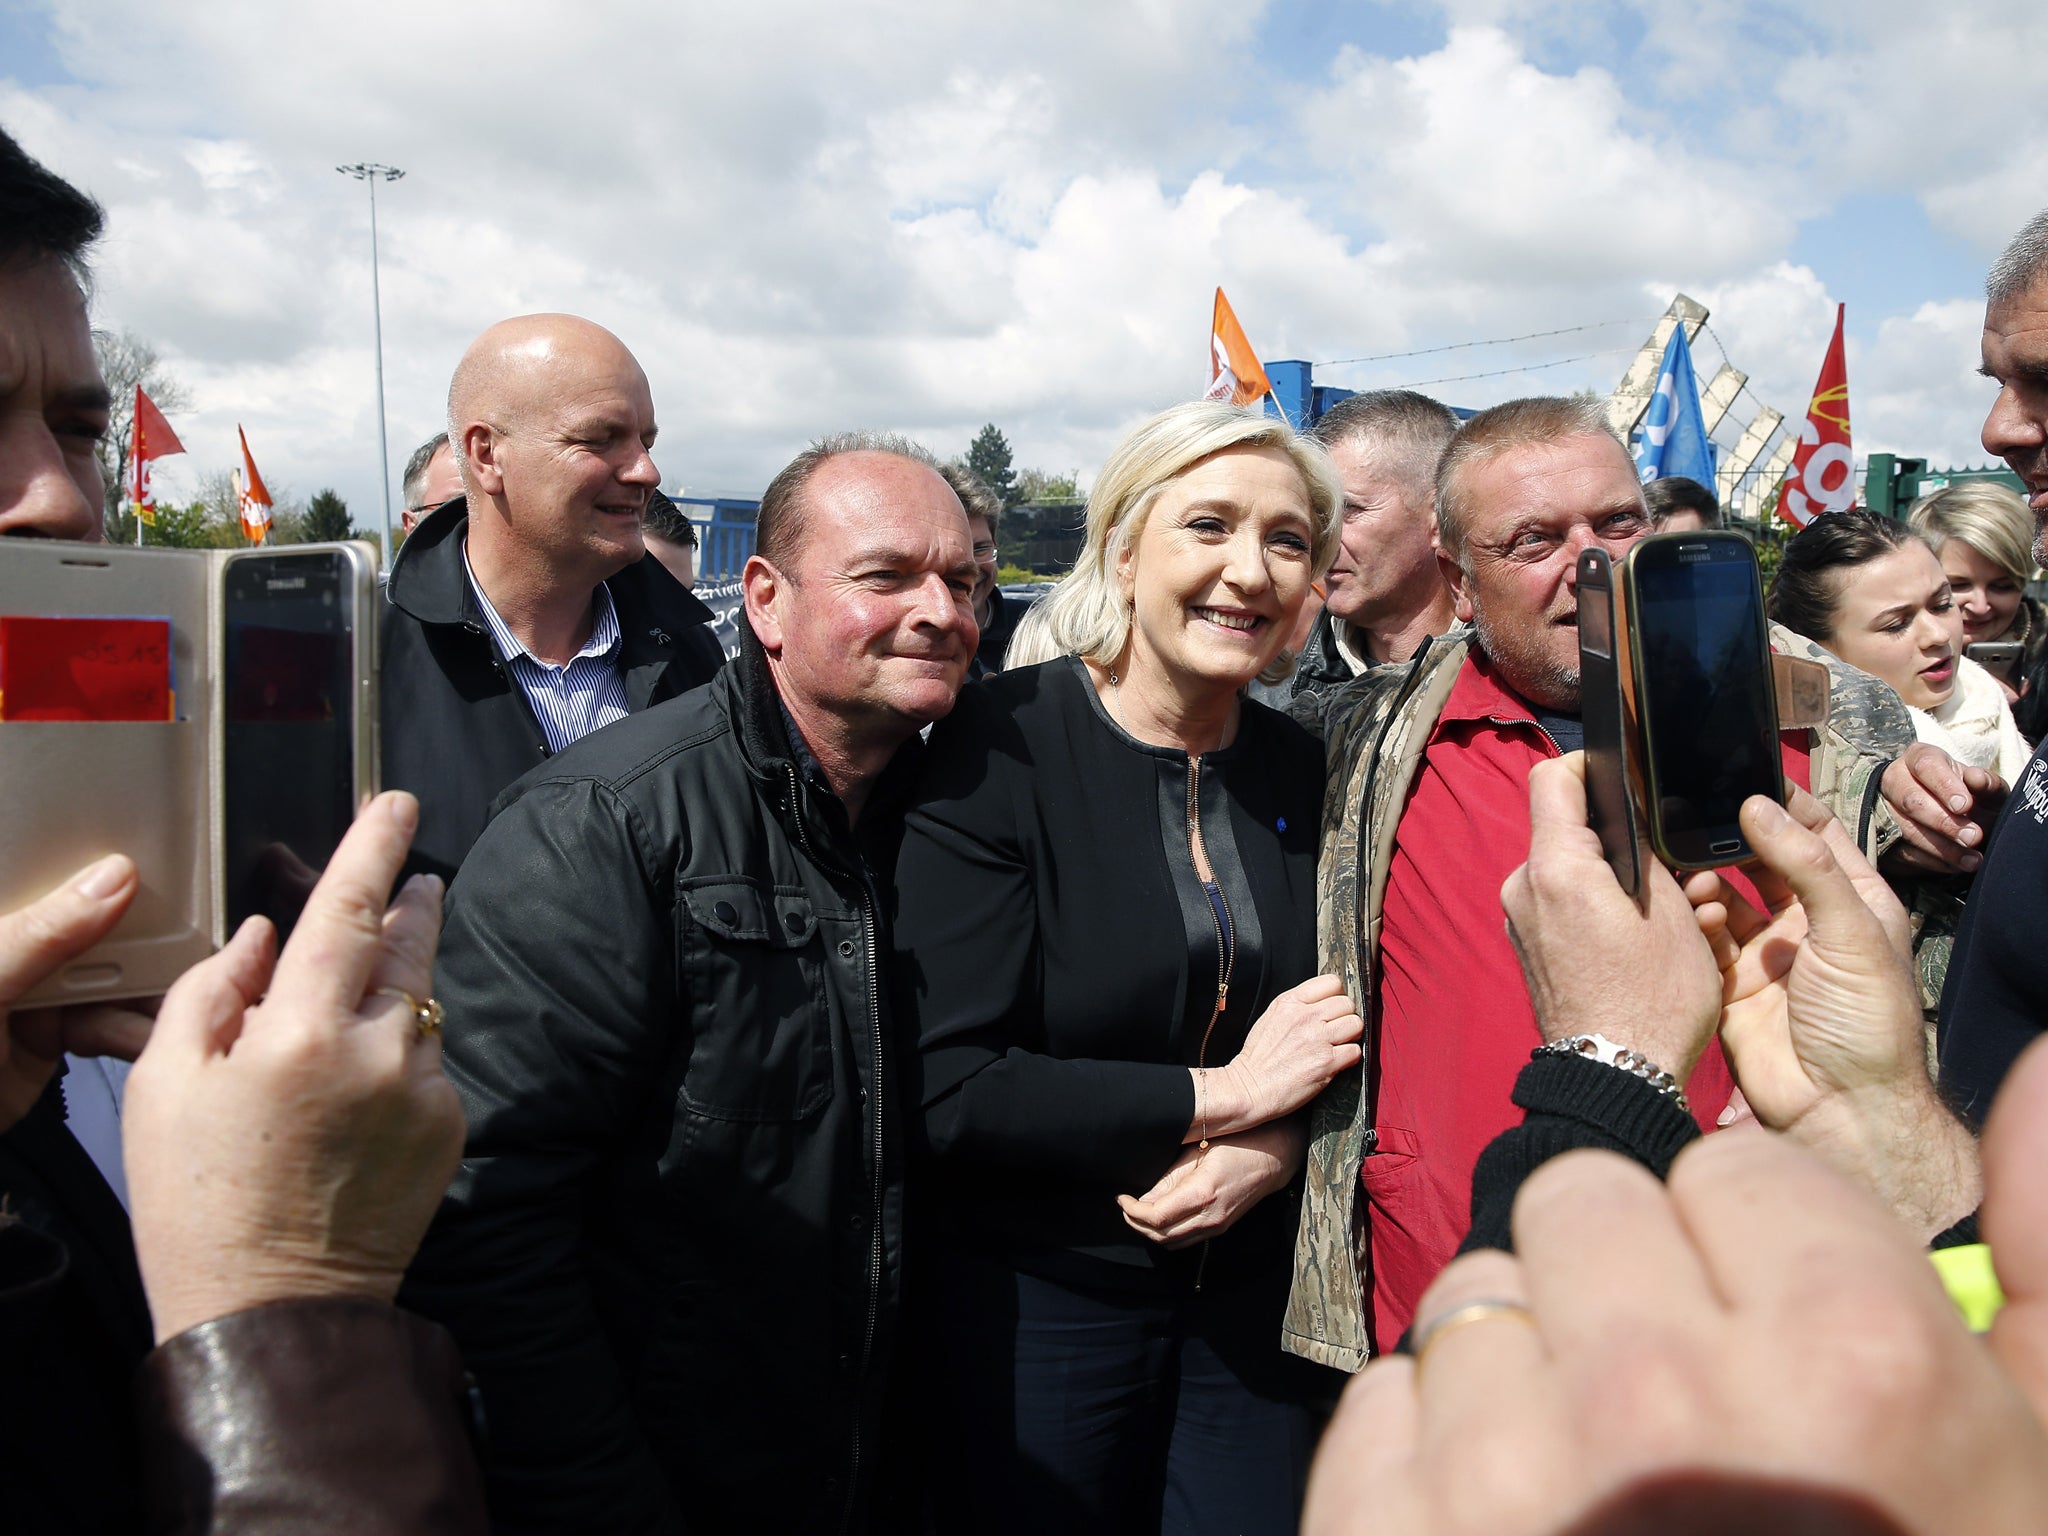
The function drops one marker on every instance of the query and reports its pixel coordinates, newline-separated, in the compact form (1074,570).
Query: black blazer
(455,728)
(1058,955)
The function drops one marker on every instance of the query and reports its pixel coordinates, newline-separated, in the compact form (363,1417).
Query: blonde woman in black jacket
(1107,941)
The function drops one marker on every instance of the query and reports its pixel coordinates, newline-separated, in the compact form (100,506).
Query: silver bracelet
(1635,1063)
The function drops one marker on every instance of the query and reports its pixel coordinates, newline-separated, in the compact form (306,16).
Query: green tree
(989,457)
(191,527)
(326,518)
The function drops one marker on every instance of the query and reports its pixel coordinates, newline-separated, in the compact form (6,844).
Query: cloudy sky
(927,214)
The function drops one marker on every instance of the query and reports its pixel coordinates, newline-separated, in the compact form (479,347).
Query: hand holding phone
(211,715)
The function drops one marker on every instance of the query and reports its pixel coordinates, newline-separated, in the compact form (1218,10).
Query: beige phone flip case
(79,790)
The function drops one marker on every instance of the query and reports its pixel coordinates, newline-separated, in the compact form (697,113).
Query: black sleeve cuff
(1961,1235)
(1571,1102)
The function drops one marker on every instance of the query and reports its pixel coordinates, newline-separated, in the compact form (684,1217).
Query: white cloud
(1494,171)
(804,216)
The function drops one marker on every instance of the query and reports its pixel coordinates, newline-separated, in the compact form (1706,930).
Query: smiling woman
(1107,930)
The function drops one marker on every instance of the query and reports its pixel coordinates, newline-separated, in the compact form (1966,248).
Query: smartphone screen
(288,768)
(1703,691)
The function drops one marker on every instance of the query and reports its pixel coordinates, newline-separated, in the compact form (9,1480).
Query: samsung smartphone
(1704,700)
(211,714)
(296,755)
(1603,707)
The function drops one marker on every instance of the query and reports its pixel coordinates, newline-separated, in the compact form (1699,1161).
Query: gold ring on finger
(427,1013)
(1481,1310)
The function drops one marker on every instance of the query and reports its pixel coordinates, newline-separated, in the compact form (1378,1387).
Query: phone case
(1638,733)
(1603,705)
(79,790)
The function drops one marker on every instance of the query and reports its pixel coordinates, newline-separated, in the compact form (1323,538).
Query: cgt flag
(252,496)
(1674,437)
(1823,474)
(1234,371)
(152,439)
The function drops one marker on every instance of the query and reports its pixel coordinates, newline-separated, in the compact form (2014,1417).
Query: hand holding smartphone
(211,714)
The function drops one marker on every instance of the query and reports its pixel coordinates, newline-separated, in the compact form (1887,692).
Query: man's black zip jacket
(672,1255)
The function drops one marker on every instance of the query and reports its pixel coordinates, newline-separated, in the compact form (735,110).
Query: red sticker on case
(85,668)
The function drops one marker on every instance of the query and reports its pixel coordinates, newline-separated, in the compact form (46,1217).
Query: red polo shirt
(1454,1026)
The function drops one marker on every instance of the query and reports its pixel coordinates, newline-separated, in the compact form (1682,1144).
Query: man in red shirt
(1432,816)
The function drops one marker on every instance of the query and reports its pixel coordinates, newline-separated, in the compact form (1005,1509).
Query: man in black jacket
(528,614)
(672,1256)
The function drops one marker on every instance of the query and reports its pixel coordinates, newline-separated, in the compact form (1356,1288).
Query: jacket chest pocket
(754,983)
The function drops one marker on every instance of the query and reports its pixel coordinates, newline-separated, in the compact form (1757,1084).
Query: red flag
(1234,371)
(252,497)
(1823,474)
(152,438)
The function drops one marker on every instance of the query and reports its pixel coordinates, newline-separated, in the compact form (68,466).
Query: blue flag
(1674,434)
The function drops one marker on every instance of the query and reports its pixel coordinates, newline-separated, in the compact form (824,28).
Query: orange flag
(1823,474)
(252,496)
(151,439)
(1234,371)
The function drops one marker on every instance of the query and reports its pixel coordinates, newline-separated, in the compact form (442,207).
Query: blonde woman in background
(1983,535)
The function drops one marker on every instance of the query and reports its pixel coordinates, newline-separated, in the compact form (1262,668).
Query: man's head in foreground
(552,425)
(53,403)
(671,538)
(1522,491)
(2016,358)
(1385,445)
(861,588)
(430,479)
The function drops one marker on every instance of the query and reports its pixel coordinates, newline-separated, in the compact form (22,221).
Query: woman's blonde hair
(1087,615)
(1987,516)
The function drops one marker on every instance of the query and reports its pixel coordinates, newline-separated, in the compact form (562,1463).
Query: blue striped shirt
(572,700)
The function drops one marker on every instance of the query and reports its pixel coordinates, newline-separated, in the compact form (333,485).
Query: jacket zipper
(867,1346)
(1226,960)
(1225,952)
(1541,729)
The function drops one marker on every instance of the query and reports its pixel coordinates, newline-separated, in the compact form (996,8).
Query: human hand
(2015,1221)
(288,1133)
(1204,1192)
(36,941)
(1756,1346)
(1306,1036)
(1595,961)
(1939,803)
(1821,1016)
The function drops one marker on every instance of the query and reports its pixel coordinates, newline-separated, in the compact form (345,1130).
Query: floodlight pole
(372,173)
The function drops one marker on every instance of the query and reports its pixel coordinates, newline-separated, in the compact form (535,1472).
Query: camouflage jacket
(1374,730)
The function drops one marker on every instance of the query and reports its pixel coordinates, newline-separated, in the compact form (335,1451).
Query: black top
(74,1327)
(1995,1000)
(1059,956)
